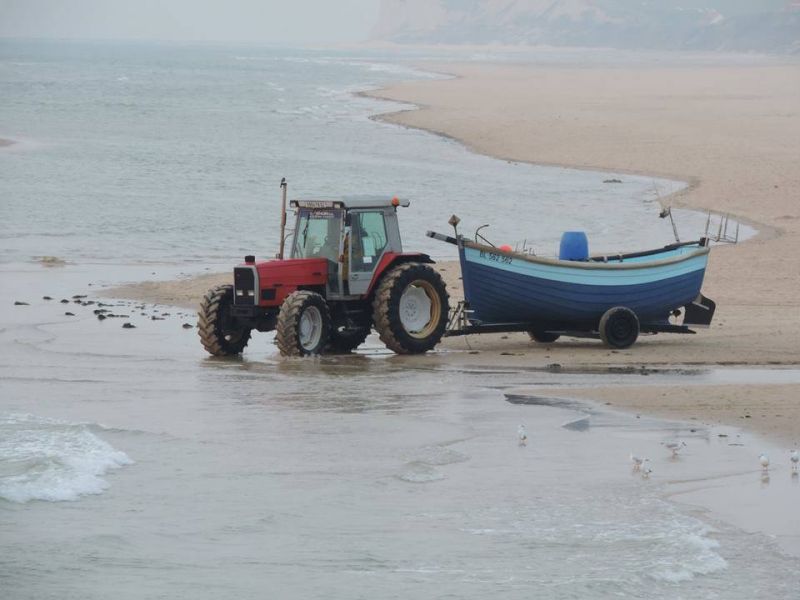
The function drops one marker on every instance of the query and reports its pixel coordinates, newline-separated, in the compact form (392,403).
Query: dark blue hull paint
(499,296)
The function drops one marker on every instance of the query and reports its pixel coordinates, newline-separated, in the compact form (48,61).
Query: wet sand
(769,410)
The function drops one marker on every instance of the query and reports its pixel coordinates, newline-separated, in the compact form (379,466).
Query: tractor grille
(244,286)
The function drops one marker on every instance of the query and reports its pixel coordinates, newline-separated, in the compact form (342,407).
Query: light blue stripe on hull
(643,273)
(499,295)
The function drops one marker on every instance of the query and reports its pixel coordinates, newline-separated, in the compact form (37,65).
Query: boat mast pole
(674,228)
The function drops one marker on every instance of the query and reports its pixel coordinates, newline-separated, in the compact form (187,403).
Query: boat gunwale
(603,266)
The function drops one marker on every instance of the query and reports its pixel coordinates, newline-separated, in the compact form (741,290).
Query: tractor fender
(392,259)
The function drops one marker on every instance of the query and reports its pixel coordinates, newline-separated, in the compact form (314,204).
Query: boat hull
(503,287)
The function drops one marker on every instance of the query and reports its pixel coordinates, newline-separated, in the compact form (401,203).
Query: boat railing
(702,242)
(720,230)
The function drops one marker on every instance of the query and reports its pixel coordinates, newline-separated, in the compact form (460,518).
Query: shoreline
(756,408)
(725,492)
(763,230)
(402,118)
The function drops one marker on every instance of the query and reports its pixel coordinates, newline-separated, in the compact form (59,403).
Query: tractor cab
(353,234)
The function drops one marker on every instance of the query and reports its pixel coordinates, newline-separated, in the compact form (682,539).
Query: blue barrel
(574,246)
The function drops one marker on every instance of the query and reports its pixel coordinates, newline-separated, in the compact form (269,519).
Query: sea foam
(698,556)
(46,459)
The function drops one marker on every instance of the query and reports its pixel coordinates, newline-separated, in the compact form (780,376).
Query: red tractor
(346,273)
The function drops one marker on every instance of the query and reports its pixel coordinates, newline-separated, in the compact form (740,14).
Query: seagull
(522,434)
(637,461)
(794,456)
(675,446)
(646,470)
(764,459)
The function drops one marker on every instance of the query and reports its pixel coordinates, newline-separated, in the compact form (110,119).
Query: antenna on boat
(667,212)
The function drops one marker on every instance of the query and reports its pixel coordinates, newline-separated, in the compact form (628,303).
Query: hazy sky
(268,21)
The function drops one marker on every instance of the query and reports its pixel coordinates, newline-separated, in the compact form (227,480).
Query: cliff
(771,26)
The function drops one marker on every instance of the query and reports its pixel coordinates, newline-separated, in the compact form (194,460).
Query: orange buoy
(506,248)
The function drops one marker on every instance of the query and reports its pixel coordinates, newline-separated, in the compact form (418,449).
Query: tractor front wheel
(220,333)
(410,308)
(304,324)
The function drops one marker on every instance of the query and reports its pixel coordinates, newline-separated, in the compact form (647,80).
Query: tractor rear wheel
(220,333)
(344,341)
(410,308)
(304,324)
(619,327)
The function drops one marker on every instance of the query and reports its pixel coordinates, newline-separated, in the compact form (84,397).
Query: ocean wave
(395,69)
(51,460)
(699,557)
(371,66)
(337,92)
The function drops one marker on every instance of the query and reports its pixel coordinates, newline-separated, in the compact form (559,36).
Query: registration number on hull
(501,258)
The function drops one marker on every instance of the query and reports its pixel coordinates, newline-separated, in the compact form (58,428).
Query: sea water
(174,153)
(134,466)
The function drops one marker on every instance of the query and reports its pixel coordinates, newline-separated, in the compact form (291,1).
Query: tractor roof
(350,202)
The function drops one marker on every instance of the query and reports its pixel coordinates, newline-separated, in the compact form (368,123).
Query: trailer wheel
(619,327)
(543,337)
(304,324)
(345,341)
(220,333)
(410,308)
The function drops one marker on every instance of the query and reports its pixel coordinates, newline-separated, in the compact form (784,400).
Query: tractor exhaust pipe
(283,218)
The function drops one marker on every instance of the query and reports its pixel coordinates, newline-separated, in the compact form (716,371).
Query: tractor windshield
(318,233)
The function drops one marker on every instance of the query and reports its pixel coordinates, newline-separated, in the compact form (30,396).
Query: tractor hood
(296,271)
(272,280)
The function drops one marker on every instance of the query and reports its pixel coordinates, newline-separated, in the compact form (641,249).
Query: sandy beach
(732,133)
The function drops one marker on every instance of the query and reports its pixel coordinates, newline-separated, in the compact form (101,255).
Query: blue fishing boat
(613,297)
